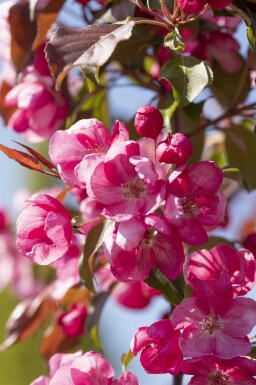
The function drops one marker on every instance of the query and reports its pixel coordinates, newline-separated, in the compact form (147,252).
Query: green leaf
(232,173)
(126,359)
(251,35)
(94,240)
(174,41)
(247,10)
(241,152)
(253,352)
(188,77)
(172,290)
(92,78)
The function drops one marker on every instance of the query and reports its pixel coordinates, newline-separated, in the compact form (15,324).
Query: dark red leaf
(88,47)
(38,156)
(22,158)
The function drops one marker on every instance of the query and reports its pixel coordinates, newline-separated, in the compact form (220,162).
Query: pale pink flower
(41,109)
(214,322)
(125,183)
(72,321)
(85,137)
(44,230)
(136,246)
(159,344)
(210,370)
(194,201)
(239,265)
(90,368)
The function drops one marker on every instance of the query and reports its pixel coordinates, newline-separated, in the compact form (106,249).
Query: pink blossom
(195,6)
(239,265)
(194,202)
(210,370)
(160,348)
(214,322)
(44,230)
(148,122)
(41,109)
(176,149)
(90,368)
(72,322)
(250,243)
(67,270)
(125,183)
(215,46)
(133,295)
(136,246)
(86,137)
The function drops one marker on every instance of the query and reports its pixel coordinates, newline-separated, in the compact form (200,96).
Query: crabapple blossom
(250,243)
(195,6)
(136,246)
(125,183)
(133,295)
(44,230)
(175,149)
(41,109)
(210,370)
(85,137)
(194,202)
(214,46)
(160,348)
(90,368)
(239,265)
(214,322)
(148,122)
(72,321)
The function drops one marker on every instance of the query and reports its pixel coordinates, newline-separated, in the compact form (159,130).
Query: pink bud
(175,149)
(72,321)
(148,122)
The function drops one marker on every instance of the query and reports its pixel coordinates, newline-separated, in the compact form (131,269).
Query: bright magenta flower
(214,322)
(210,370)
(125,183)
(136,246)
(72,322)
(239,265)
(160,348)
(44,230)
(148,122)
(176,149)
(194,202)
(195,6)
(90,368)
(86,137)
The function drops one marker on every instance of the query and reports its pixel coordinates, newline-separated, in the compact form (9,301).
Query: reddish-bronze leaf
(76,294)
(37,155)
(88,47)
(5,112)
(22,158)
(62,195)
(55,341)
(45,18)
(23,33)
(26,318)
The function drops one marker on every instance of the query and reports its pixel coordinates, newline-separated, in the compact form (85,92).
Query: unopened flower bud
(148,122)
(175,149)
(72,322)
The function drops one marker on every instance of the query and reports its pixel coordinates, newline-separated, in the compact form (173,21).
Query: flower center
(133,189)
(210,324)
(189,206)
(219,378)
